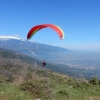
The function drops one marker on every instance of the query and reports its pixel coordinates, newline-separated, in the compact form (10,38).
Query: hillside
(17,56)
(22,80)
(74,63)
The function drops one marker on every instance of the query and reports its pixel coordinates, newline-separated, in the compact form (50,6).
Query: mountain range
(33,49)
(77,64)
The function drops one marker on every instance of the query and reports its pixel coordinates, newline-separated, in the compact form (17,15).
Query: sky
(79,19)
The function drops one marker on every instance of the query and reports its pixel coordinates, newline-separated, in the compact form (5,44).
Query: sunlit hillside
(22,80)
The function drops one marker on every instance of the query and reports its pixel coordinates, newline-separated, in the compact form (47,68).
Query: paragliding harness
(43,64)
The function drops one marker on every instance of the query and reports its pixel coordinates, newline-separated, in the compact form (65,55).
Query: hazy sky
(79,19)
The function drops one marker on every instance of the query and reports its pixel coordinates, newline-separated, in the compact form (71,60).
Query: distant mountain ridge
(33,49)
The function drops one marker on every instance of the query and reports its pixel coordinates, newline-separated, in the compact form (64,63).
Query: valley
(74,63)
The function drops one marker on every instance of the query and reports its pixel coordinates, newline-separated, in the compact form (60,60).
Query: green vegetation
(47,85)
(22,81)
(94,81)
(9,91)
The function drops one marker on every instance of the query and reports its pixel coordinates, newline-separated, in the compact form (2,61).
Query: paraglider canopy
(36,28)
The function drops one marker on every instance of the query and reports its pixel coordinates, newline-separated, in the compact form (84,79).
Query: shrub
(77,85)
(63,93)
(6,76)
(94,81)
(37,89)
(99,82)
